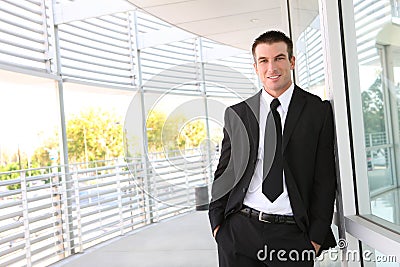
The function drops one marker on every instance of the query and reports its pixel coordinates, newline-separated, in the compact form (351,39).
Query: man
(274,187)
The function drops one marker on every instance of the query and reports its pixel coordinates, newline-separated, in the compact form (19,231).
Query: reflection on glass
(307,40)
(378,59)
(377,139)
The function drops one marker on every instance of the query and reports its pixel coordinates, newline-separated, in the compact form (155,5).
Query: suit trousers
(247,242)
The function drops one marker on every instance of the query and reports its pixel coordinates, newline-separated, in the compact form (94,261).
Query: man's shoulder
(248,102)
(244,108)
(312,98)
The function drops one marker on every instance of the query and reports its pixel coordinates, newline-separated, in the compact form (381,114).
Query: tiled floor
(183,241)
(186,241)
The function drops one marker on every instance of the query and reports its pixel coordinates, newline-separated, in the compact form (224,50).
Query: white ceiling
(232,22)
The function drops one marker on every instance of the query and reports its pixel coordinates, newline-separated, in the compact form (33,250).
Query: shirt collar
(283,98)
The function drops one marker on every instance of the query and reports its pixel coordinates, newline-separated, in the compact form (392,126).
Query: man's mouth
(273,77)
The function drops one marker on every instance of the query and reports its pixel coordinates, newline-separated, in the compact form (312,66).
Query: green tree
(94,134)
(14,166)
(154,123)
(41,157)
(173,133)
(162,131)
(191,134)
(373,109)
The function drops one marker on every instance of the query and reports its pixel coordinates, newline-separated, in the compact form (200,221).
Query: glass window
(29,116)
(378,46)
(94,119)
(307,40)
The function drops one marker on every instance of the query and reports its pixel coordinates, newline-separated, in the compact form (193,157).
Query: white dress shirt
(254,197)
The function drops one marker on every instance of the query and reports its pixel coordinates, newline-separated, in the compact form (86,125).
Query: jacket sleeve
(222,177)
(324,185)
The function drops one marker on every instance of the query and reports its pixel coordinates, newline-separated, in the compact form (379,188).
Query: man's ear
(292,62)
(255,67)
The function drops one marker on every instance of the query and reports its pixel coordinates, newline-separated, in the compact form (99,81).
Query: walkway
(184,241)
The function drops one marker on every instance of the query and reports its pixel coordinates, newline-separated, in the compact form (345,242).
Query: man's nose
(272,66)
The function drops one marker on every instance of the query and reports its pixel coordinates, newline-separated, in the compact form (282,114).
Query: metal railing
(47,214)
(374,140)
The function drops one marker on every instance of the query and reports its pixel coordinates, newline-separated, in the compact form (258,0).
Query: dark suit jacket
(308,155)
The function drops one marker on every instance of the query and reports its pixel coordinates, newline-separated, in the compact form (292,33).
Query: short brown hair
(270,37)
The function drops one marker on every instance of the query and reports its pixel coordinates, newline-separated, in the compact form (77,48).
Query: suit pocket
(219,232)
(308,245)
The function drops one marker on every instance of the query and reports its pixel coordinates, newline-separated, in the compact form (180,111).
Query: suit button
(244,190)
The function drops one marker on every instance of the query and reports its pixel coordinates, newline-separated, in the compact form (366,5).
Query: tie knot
(275,104)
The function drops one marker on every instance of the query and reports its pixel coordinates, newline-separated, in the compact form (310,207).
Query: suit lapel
(253,114)
(295,108)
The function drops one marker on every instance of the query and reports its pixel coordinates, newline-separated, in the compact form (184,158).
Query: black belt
(267,218)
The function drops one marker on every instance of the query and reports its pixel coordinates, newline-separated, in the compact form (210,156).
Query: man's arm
(324,185)
(221,186)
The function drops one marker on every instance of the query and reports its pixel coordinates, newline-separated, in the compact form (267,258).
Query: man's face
(274,66)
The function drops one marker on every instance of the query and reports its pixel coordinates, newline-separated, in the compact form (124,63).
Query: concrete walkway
(182,241)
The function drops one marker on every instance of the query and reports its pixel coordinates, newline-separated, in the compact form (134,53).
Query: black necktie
(273,183)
